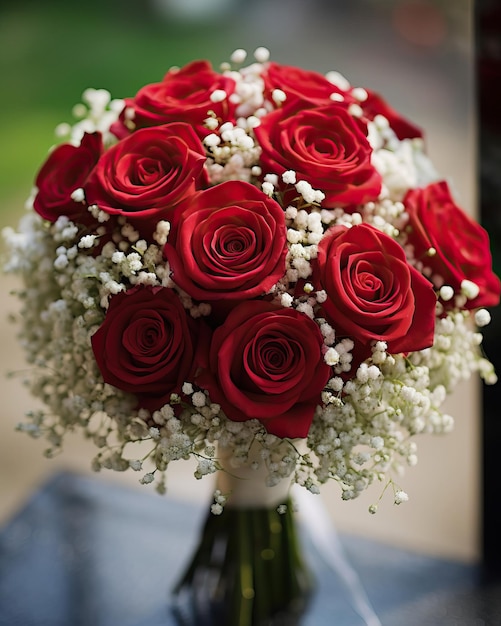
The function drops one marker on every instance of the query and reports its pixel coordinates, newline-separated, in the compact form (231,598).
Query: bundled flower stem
(247,570)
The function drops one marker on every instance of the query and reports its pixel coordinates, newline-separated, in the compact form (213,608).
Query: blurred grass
(51,50)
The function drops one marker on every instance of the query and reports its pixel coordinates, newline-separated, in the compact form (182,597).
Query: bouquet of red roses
(258,268)
(256,255)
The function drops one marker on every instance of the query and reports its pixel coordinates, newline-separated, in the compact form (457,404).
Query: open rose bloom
(254,255)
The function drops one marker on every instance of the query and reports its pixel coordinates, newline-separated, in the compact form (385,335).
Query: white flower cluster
(96,113)
(362,429)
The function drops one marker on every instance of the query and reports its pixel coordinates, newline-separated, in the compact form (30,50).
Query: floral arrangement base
(247,570)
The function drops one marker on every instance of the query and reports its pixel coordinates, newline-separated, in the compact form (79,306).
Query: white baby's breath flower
(401,496)
(278,96)
(78,195)
(216,509)
(331,356)
(87,241)
(482,317)
(261,54)
(268,189)
(218,95)
(286,300)
(446,293)
(289,177)
(198,399)
(355,110)
(147,478)
(469,289)
(359,93)
(337,79)
(212,140)
(238,56)
(305,189)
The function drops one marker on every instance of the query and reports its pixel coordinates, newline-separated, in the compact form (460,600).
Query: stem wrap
(248,569)
(247,486)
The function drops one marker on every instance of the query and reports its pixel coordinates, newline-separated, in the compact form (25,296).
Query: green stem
(243,597)
(253,561)
(261,563)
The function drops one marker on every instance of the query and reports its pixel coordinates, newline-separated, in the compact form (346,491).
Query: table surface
(84,552)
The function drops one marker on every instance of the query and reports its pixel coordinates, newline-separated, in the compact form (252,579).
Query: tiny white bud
(336,97)
(289,177)
(154,432)
(400,496)
(321,296)
(198,399)
(469,289)
(212,140)
(338,79)
(63,129)
(331,357)
(87,241)
(359,94)
(482,317)
(278,96)
(78,195)
(211,123)
(216,509)
(271,178)
(355,110)
(253,121)
(218,95)
(267,188)
(446,293)
(238,56)
(261,54)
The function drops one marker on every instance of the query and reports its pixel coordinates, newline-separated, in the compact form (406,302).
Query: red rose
(66,170)
(300,84)
(461,245)
(184,95)
(314,88)
(266,363)
(325,146)
(144,176)
(148,345)
(230,242)
(372,291)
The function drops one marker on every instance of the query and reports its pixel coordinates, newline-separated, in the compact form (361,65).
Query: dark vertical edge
(488,92)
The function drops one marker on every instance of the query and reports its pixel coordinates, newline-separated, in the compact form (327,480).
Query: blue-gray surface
(85,553)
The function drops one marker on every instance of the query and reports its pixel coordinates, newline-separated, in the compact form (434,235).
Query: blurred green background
(50,51)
